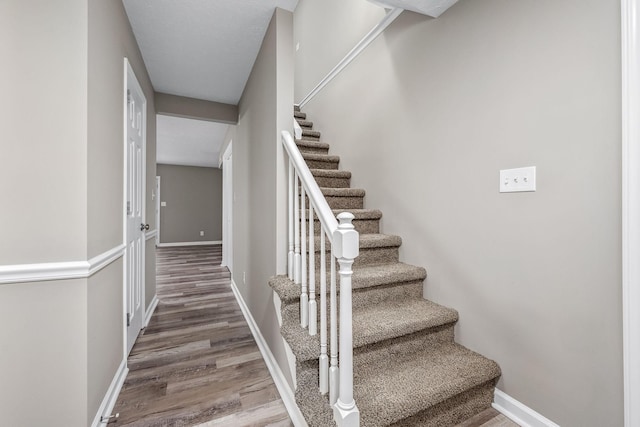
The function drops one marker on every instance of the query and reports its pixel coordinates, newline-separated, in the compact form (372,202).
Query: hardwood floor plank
(197,363)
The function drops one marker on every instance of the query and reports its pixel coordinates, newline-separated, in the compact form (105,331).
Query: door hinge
(128,208)
(128,319)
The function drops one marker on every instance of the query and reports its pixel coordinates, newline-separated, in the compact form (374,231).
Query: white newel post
(345,246)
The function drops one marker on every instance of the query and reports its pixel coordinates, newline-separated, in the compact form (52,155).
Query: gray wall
(194,203)
(63,175)
(258,177)
(427,116)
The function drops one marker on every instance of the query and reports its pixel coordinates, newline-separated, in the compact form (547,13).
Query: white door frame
(227,207)
(631,209)
(158,205)
(130,78)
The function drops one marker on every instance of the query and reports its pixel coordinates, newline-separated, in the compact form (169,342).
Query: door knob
(144,227)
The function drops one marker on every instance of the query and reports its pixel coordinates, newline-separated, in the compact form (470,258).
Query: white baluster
(323,361)
(304,297)
(334,371)
(296,232)
(345,244)
(313,309)
(291,220)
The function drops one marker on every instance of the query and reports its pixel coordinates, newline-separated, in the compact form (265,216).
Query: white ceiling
(188,142)
(203,49)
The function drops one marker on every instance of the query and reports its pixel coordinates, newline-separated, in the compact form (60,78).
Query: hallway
(197,364)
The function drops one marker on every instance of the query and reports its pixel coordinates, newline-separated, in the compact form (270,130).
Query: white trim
(69,270)
(518,412)
(99,262)
(288,398)
(631,208)
(109,400)
(152,306)
(353,53)
(151,234)
(169,245)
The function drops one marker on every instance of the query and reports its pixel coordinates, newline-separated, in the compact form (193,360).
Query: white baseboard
(109,401)
(519,412)
(152,306)
(169,245)
(287,395)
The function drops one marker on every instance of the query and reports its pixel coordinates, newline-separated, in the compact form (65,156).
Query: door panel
(135,190)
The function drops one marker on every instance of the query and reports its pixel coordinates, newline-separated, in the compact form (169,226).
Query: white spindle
(296,232)
(345,242)
(334,372)
(336,369)
(290,255)
(323,360)
(313,309)
(304,297)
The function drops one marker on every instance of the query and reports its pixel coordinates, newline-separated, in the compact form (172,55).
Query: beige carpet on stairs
(408,369)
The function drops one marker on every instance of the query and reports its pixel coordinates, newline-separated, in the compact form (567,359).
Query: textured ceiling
(189,142)
(201,49)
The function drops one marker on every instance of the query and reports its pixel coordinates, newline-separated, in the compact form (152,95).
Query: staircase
(408,371)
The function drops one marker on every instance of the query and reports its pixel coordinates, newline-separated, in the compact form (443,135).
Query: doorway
(227,207)
(134,191)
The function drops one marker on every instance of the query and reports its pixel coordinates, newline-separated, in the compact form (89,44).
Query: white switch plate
(163,203)
(516,180)
(201,233)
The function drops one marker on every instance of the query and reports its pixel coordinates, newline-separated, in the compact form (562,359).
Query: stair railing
(336,368)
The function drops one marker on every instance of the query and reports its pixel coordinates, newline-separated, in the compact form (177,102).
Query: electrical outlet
(517,180)
(201,233)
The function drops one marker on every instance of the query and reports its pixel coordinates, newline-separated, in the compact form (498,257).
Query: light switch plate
(163,203)
(517,180)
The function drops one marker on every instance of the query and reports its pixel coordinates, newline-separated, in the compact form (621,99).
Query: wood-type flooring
(196,363)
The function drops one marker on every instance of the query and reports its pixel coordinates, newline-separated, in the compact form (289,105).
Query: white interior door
(135,226)
(227,208)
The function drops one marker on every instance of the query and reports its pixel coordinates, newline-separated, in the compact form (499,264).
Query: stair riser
(318,164)
(333,182)
(313,150)
(452,411)
(370,296)
(367,256)
(310,134)
(305,124)
(299,115)
(363,226)
(336,202)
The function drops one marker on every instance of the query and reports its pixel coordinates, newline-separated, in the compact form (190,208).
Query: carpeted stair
(408,370)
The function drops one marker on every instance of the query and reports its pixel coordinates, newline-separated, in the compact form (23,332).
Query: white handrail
(353,53)
(328,221)
(336,379)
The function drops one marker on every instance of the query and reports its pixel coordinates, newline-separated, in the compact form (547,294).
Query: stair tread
(305,123)
(391,319)
(369,241)
(373,324)
(364,276)
(321,157)
(342,192)
(299,115)
(330,173)
(310,133)
(416,381)
(361,213)
(311,143)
